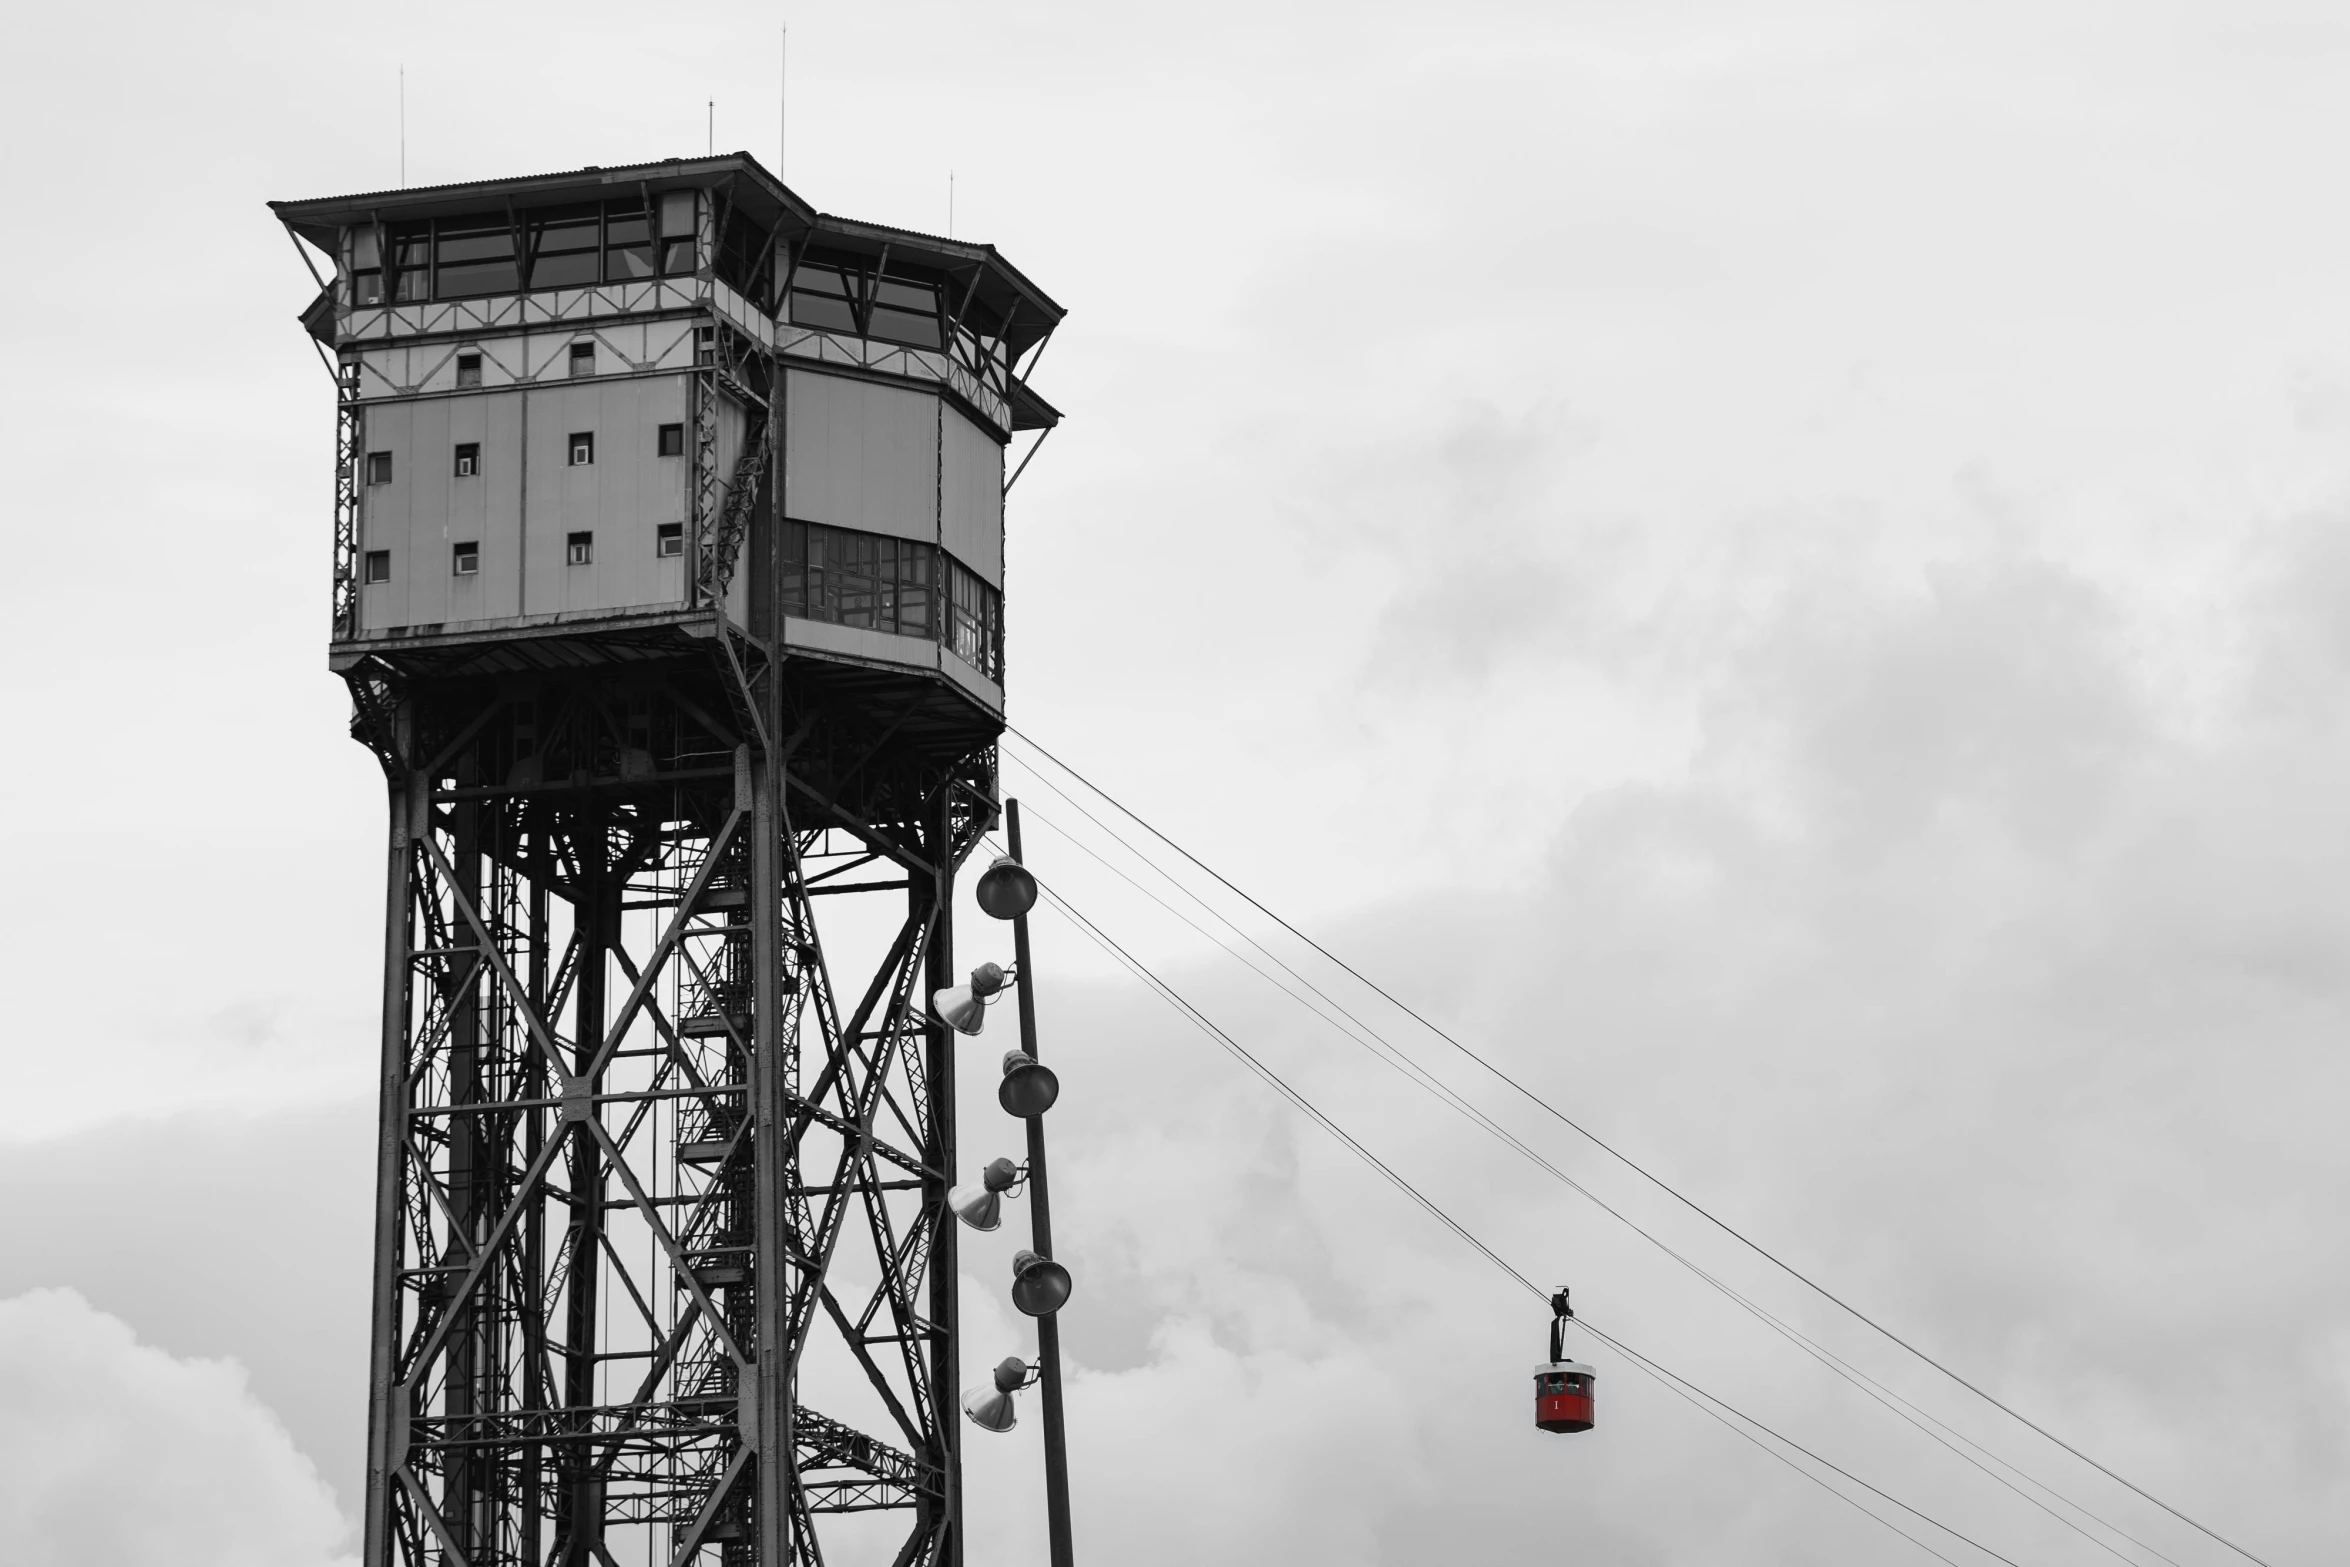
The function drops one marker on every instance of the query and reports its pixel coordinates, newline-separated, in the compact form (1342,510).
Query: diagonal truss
(665,1136)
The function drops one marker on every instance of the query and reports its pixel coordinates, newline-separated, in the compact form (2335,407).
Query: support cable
(1673,1381)
(1362,1034)
(1563,1119)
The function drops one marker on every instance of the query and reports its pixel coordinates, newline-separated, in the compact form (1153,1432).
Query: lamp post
(1048,1327)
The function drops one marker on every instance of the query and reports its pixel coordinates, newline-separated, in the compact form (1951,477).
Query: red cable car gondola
(1564,1390)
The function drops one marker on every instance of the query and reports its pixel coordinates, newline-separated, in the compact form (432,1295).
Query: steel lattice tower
(667,573)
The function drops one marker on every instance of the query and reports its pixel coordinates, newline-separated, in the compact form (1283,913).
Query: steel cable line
(1386,1052)
(1596,1141)
(1709,1403)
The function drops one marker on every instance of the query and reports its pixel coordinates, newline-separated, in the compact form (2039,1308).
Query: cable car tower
(668,585)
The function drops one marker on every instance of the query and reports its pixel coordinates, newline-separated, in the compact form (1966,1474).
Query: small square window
(378,567)
(673,440)
(669,539)
(465,559)
(583,359)
(468,459)
(583,448)
(580,549)
(468,370)
(379,467)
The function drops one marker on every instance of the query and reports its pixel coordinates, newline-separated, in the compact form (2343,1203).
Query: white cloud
(113,1451)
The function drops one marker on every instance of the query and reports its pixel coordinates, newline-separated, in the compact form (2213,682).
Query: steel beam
(628,1137)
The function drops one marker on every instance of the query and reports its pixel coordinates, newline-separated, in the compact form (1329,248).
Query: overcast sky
(1782,569)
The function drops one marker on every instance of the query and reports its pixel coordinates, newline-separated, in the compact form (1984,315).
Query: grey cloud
(112,1450)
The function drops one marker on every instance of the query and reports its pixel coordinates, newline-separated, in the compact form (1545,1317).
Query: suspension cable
(1672,1380)
(1596,1141)
(1360,1033)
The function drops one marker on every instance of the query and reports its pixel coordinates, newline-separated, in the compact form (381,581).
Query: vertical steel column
(465,1497)
(1040,1211)
(384,1438)
(534,1244)
(767,1405)
(594,920)
(946,1370)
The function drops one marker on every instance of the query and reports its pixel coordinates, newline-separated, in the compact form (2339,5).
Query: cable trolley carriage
(1564,1390)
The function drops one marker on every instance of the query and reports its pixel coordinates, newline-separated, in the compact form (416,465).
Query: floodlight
(990,1406)
(982,1206)
(1040,1286)
(964,1007)
(1006,890)
(1029,1087)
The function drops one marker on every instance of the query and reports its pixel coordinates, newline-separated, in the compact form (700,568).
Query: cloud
(1968,963)
(113,1451)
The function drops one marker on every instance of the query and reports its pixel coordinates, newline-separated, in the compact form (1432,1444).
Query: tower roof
(1029,312)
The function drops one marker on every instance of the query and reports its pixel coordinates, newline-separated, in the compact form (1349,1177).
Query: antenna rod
(713,147)
(403,125)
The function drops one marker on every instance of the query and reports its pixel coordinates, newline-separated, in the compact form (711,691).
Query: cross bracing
(666,1133)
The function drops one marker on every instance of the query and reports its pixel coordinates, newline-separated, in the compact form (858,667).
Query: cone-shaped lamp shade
(990,1410)
(977,1206)
(959,1009)
(982,1206)
(1040,1286)
(990,1407)
(1029,1087)
(1006,890)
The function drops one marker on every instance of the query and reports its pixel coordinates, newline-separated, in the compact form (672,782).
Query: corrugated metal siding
(862,455)
(622,497)
(971,496)
(883,647)
(857,642)
(427,510)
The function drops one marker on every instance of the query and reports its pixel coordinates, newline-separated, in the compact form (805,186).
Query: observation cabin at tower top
(606,415)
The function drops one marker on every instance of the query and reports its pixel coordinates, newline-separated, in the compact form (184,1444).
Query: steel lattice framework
(663,1154)
(663,1266)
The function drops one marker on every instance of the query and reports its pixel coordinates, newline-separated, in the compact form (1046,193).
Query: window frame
(491,229)
(667,534)
(465,559)
(465,463)
(368,562)
(379,468)
(661,438)
(904,587)
(579,549)
(576,442)
(402,263)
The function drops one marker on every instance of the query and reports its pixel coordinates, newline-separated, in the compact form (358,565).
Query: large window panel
(745,259)
(823,295)
(906,312)
(628,243)
(564,242)
(878,583)
(412,261)
(977,633)
(474,257)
